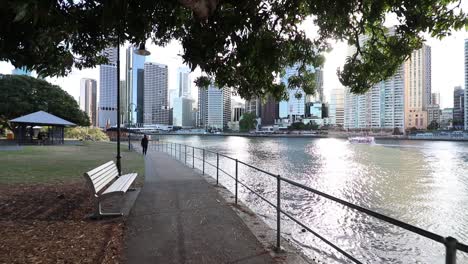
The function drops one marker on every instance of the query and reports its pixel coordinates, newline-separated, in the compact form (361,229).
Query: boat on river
(361,140)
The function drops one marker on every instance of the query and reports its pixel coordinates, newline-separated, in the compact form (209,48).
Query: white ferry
(361,140)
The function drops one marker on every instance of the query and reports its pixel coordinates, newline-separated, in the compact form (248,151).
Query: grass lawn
(63,163)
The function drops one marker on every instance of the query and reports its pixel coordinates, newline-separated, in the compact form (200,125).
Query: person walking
(144,144)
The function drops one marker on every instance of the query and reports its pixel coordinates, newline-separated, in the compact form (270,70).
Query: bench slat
(112,171)
(102,171)
(93,171)
(105,180)
(121,184)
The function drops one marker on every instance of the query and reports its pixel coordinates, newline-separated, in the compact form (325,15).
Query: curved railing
(176,149)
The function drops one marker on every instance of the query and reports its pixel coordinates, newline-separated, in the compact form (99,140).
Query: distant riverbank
(297,135)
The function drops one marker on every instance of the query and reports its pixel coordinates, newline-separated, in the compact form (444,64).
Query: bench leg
(98,214)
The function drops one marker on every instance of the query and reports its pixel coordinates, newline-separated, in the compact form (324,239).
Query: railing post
(217,167)
(450,250)
(203,161)
(193,157)
(185,146)
(278,213)
(237,165)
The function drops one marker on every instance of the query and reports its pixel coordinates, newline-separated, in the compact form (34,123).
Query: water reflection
(420,182)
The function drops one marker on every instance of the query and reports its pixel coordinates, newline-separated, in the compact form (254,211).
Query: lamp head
(142,50)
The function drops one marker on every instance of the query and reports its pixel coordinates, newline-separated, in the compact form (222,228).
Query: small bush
(86,133)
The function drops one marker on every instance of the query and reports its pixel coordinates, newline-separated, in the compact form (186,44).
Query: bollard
(185,146)
(217,168)
(450,250)
(180,151)
(203,161)
(193,157)
(278,213)
(236,180)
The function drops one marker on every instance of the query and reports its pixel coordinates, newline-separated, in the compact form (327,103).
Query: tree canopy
(22,95)
(242,44)
(247,122)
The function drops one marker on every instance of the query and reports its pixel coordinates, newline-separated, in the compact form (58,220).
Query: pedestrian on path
(144,144)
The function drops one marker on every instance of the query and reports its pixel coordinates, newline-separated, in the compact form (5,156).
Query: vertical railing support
(450,250)
(203,161)
(185,151)
(217,168)
(278,213)
(193,157)
(237,165)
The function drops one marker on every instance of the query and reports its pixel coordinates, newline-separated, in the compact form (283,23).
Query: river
(423,183)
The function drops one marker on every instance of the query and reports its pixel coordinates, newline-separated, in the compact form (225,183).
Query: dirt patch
(49,224)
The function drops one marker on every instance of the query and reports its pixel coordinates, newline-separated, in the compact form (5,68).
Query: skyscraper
(156,104)
(458,108)
(466,84)
(269,111)
(337,107)
(435,98)
(237,110)
(398,102)
(214,106)
(183,82)
(140,96)
(132,105)
(417,88)
(294,107)
(107,113)
(88,99)
(182,112)
(202,107)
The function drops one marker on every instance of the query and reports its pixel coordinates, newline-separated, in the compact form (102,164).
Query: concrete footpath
(180,218)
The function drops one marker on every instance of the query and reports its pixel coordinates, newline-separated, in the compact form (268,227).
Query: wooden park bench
(99,180)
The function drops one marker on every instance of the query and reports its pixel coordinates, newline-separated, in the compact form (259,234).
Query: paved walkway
(180,218)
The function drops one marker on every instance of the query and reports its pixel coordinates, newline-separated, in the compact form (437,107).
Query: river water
(423,183)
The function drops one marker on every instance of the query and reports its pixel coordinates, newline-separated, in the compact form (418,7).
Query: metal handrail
(451,244)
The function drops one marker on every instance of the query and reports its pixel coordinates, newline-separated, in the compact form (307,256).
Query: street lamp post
(118,158)
(143,52)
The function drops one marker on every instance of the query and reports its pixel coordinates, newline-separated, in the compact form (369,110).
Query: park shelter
(23,128)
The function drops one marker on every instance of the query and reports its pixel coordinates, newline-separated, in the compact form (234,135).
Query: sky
(447,65)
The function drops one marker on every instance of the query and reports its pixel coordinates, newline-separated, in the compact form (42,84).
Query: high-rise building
(337,107)
(398,102)
(124,107)
(435,99)
(214,106)
(433,113)
(183,82)
(446,118)
(294,108)
(417,88)
(132,105)
(88,99)
(237,110)
(107,113)
(202,107)
(269,111)
(466,84)
(182,112)
(155,98)
(140,96)
(254,106)
(318,96)
(458,108)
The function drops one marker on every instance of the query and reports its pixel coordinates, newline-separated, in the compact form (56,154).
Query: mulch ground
(49,224)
